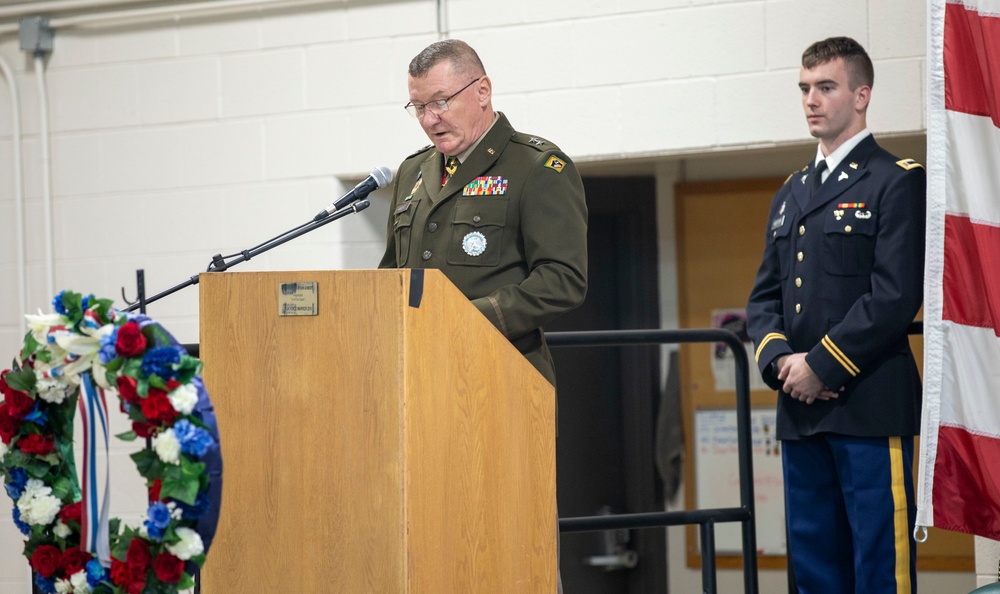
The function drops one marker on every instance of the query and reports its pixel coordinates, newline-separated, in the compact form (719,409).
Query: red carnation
(119,572)
(45,560)
(156,407)
(144,429)
(36,444)
(135,587)
(154,491)
(168,568)
(18,403)
(138,558)
(131,342)
(72,512)
(8,424)
(74,560)
(127,387)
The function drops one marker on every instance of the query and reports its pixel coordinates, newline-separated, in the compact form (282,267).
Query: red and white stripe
(959,486)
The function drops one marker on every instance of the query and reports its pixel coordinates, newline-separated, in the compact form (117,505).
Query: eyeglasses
(417,110)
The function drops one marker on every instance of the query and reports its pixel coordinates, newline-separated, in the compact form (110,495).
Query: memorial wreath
(69,360)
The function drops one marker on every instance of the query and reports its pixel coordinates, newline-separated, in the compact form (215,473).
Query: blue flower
(158,520)
(160,361)
(194,440)
(46,585)
(107,352)
(95,573)
(36,416)
(21,525)
(193,512)
(57,303)
(16,481)
(86,301)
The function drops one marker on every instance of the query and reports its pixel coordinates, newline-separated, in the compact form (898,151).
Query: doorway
(608,396)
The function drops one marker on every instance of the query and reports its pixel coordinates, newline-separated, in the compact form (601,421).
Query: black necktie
(817,176)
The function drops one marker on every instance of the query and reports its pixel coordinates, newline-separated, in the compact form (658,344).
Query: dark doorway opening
(608,396)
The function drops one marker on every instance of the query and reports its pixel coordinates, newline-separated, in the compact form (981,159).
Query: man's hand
(800,380)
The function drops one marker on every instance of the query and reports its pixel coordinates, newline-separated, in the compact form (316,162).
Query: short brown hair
(859,66)
(460,54)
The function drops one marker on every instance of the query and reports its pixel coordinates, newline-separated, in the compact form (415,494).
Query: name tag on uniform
(486,186)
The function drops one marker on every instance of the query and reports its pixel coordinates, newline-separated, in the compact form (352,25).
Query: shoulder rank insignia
(556,163)
(908,164)
(536,141)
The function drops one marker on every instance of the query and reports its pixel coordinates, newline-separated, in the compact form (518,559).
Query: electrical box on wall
(36,34)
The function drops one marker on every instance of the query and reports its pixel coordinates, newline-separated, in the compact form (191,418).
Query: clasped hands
(801,383)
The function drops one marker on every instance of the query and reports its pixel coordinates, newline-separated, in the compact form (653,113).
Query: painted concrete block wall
(179,139)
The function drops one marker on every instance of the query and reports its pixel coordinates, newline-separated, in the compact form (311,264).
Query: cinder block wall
(181,138)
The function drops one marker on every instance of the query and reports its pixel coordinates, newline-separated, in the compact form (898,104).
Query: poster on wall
(723,363)
(717,479)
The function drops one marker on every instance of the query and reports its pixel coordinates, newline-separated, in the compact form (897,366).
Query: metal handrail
(705,518)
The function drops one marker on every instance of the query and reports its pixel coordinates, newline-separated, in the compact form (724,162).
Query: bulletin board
(720,239)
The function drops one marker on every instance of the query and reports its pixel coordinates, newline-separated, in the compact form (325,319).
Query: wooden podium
(394,442)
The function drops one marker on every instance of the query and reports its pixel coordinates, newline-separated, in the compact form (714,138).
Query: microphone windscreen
(382,176)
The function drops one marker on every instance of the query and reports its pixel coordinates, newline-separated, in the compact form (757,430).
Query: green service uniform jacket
(509,229)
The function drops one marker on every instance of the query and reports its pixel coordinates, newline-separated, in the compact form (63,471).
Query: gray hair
(461,55)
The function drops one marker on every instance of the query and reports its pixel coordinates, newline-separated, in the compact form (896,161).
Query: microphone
(378,178)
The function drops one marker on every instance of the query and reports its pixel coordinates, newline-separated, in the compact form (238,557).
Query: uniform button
(476,219)
(798,282)
(847,228)
(798,308)
(802,229)
(775,234)
(427,255)
(432,227)
(800,256)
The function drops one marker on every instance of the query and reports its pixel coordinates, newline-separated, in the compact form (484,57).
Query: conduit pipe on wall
(43,108)
(200,9)
(36,8)
(22,262)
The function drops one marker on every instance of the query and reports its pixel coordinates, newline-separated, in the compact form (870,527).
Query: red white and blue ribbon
(95,504)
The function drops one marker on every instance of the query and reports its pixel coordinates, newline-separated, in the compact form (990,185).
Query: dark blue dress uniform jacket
(841,279)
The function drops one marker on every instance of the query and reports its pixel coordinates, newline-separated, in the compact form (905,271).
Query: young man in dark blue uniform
(840,280)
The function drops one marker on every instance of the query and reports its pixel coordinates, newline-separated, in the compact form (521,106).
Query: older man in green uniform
(501,213)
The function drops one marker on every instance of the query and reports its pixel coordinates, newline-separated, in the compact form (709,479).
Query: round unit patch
(474,243)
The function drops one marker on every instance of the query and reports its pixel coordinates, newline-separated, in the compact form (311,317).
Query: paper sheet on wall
(717,477)
(723,365)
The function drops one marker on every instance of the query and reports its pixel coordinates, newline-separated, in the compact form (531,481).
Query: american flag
(959,486)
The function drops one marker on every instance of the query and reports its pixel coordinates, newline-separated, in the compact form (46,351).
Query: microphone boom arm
(220,264)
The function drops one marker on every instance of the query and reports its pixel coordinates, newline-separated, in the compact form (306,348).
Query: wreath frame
(160,388)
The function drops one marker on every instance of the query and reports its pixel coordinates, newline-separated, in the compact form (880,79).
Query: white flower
(37,505)
(167,447)
(189,546)
(61,530)
(184,398)
(35,487)
(63,586)
(51,389)
(79,582)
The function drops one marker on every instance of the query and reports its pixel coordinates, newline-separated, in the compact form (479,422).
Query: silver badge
(474,244)
(863,215)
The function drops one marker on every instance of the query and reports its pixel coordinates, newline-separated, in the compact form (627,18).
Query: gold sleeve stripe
(840,356)
(768,338)
(901,525)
